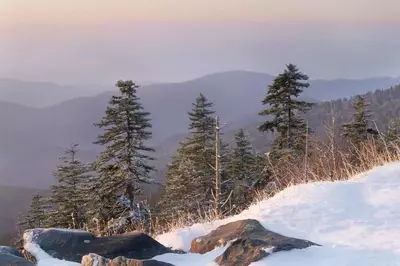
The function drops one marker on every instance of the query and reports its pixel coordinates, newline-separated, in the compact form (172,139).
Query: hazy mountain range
(39,119)
(32,139)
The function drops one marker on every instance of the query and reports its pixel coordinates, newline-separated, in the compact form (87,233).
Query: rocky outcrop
(250,242)
(73,245)
(11,257)
(96,260)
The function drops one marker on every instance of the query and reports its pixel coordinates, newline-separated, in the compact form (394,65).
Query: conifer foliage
(37,215)
(125,162)
(392,135)
(284,108)
(70,195)
(357,131)
(190,176)
(241,169)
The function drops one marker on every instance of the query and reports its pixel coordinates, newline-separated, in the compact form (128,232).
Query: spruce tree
(240,169)
(200,146)
(38,214)
(284,109)
(190,176)
(242,159)
(125,162)
(392,136)
(70,194)
(358,131)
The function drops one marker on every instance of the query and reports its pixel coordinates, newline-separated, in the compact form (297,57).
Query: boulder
(11,257)
(250,242)
(72,245)
(96,260)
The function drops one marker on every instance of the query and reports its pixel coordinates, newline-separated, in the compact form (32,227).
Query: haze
(98,42)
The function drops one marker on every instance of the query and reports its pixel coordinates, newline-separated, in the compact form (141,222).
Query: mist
(177,51)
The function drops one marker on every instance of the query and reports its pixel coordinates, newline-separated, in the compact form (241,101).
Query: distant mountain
(32,139)
(43,94)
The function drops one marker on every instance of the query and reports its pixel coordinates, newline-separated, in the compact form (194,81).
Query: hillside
(49,130)
(384,105)
(42,94)
(355,222)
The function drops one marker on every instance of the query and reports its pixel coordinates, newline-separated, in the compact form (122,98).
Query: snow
(43,259)
(357,222)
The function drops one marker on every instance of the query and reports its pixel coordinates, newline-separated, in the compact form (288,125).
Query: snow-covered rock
(72,245)
(356,222)
(248,241)
(11,257)
(96,260)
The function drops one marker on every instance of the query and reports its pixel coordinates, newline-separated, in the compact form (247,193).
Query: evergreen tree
(284,107)
(190,177)
(200,146)
(392,136)
(240,170)
(358,131)
(124,164)
(38,215)
(242,159)
(70,194)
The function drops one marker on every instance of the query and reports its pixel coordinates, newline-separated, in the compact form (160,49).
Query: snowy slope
(356,221)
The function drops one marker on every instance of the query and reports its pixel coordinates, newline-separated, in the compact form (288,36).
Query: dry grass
(325,163)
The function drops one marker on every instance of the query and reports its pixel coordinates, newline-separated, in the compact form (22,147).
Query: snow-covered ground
(357,222)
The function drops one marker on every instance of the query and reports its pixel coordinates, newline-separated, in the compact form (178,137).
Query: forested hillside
(213,170)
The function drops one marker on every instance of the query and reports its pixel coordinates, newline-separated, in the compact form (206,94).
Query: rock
(250,242)
(10,250)
(72,245)
(96,260)
(11,257)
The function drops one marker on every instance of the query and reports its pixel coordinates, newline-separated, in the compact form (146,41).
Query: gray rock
(96,260)
(250,242)
(11,257)
(10,250)
(73,245)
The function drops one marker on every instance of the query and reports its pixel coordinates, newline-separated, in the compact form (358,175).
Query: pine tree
(190,176)
(124,164)
(240,169)
(284,108)
(200,146)
(38,215)
(70,194)
(180,194)
(358,131)
(392,136)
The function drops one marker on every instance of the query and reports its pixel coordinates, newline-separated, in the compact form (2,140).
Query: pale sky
(74,41)
(89,11)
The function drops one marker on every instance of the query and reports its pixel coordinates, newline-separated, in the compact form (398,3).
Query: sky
(97,41)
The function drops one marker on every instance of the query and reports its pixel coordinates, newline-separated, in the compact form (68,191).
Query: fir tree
(38,215)
(392,136)
(284,107)
(240,169)
(357,131)
(200,146)
(70,194)
(124,164)
(190,176)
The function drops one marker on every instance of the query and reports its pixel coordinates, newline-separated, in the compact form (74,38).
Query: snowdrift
(357,222)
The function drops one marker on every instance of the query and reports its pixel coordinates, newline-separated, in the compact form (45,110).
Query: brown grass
(325,163)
